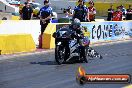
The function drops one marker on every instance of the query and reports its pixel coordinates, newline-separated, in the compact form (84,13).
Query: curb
(111,42)
(44,51)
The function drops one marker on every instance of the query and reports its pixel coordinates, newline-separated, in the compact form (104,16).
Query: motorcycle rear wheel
(86,57)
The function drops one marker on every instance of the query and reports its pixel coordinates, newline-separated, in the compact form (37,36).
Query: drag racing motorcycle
(68,47)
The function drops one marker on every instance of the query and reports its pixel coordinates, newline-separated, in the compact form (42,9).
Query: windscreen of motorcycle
(63,33)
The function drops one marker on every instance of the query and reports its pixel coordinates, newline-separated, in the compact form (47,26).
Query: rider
(77,33)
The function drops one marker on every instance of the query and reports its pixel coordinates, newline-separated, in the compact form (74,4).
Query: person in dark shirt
(68,12)
(80,11)
(27,12)
(110,13)
(123,12)
(129,13)
(45,15)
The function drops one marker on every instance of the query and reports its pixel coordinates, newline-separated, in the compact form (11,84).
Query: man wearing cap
(92,11)
(80,11)
(45,17)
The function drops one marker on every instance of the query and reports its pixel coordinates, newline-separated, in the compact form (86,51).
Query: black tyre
(60,54)
(82,80)
(86,56)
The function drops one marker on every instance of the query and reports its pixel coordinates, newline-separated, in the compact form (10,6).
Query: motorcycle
(68,47)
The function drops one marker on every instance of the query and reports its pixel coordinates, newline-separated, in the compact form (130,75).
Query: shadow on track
(54,63)
(45,63)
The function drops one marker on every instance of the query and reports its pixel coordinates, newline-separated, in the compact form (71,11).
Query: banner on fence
(101,31)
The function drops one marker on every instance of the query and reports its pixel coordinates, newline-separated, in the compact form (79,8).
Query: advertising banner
(103,31)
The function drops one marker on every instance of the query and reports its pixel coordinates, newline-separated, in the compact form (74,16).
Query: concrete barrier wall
(98,31)
(21,26)
(18,36)
(15,43)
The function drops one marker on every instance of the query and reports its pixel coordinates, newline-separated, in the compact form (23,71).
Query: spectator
(27,12)
(80,11)
(123,11)
(45,17)
(88,20)
(68,12)
(117,16)
(110,13)
(129,13)
(92,11)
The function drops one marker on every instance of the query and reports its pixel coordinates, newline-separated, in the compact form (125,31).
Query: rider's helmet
(76,23)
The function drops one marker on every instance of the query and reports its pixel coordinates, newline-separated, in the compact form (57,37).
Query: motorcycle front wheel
(84,54)
(60,53)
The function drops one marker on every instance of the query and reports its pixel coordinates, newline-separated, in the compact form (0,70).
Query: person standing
(117,16)
(45,17)
(27,12)
(80,11)
(92,11)
(110,13)
(129,13)
(123,12)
